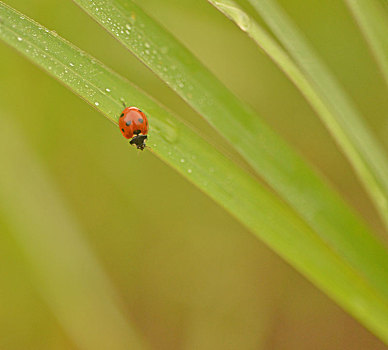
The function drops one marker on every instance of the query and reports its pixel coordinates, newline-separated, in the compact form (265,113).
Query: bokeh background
(188,276)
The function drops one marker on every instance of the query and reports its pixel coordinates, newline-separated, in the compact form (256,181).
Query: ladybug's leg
(133,140)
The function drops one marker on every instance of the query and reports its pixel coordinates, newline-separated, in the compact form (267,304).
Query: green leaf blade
(327,97)
(372,18)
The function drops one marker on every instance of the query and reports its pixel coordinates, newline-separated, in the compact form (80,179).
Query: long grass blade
(330,101)
(372,18)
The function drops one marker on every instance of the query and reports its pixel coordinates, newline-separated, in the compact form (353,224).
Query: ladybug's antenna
(123,102)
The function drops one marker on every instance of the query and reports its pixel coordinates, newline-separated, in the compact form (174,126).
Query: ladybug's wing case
(145,124)
(133,121)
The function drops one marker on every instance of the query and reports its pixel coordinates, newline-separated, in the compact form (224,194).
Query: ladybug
(133,124)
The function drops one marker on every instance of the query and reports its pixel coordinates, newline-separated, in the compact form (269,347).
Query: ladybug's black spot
(122,130)
(140,111)
(128,123)
(137,132)
(122,115)
(140,120)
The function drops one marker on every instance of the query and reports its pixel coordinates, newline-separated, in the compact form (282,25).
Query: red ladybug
(133,124)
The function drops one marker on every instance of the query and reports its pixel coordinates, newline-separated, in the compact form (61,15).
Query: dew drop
(189,171)
(19,38)
(108,90)
(71,64)
(96,103)
(182,160)
(128,26)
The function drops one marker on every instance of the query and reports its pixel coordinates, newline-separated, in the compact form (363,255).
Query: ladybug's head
(139,141)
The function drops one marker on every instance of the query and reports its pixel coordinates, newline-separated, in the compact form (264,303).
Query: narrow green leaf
(352,271)
(372,18)
(323,92)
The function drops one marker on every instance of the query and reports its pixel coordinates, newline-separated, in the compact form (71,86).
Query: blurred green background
(188,276)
